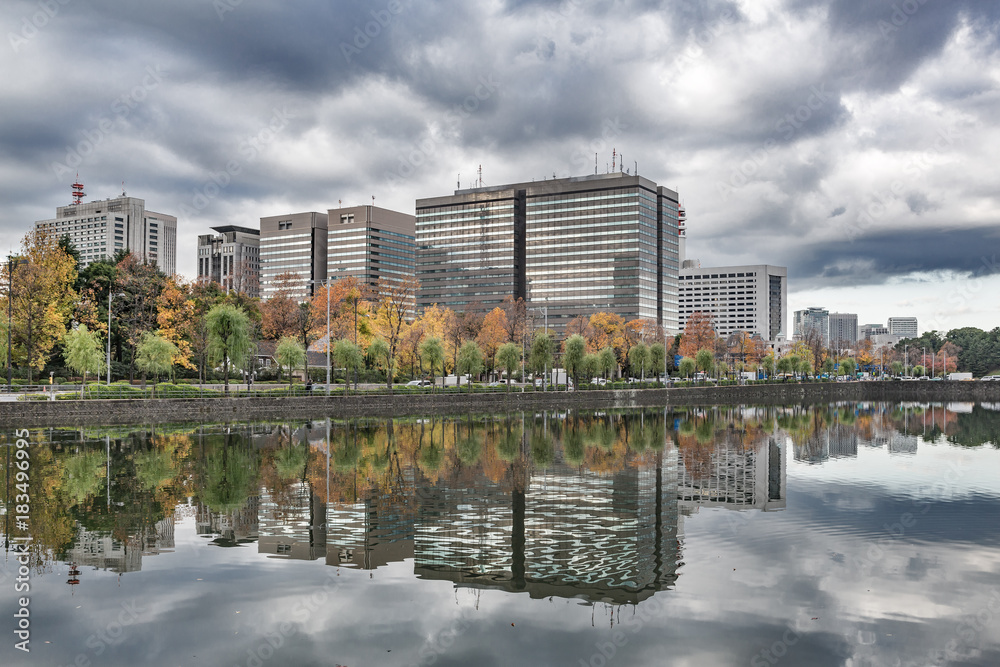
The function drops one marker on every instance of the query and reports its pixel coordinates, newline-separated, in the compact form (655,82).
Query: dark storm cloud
(877,257)
(388,98)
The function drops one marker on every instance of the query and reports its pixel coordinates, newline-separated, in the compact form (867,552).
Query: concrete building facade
(572,246)
(867,331)
(231,258)
(903,326)
(101,228)
(293,246)
(370,243)
(752,298)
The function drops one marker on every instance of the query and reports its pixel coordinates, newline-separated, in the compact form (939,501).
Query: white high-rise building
(903,326)
(101,228)
(752,298)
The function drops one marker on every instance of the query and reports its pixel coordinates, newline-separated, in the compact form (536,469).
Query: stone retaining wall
(153,411)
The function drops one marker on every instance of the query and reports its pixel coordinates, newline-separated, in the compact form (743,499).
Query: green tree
(508,358)
(705,360)
(768,363)
(608,361)
(574,351)
(155,355)
(432,350)
(897,367)
(228,337)
(289,354)
(470,360)
(785,365)
(540,357)
(688,367)
(591,365)
(381,354)
(848,367)
(638,357)
(658,358)
(348,355)
(82,351)
(828,365)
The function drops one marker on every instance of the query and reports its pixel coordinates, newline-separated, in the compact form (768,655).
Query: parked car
(418,383)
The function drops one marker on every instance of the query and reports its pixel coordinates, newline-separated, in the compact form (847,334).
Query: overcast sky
(853,141)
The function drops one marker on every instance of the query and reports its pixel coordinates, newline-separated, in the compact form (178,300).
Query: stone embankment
(158,411)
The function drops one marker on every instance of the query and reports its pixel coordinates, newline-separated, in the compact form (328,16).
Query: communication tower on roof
(78,193)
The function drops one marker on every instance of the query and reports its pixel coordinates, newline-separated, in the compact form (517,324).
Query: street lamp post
(545,312)
(110,294)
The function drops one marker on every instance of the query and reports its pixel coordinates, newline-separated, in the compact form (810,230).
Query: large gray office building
(573,246)
(370,243)
(293,246)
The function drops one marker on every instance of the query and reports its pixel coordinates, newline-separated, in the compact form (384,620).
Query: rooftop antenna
(614,154)
(621,164)
(458,182)
(636,167)
(480,175)
(123,188)
(340,203)
(595,164)
(78,193)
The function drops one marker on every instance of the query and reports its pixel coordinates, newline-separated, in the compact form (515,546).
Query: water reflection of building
(230,528)
(736,477)
(568,534)
(101,550)
(294,526)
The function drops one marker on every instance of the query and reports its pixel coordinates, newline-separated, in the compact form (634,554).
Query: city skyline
(860,160)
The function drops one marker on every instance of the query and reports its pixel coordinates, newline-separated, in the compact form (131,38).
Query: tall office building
(812,319)
(843,329)
(101,228)
(573,246)
(293,246)
(903,326)
(231,258)
(738,298)
(370,243)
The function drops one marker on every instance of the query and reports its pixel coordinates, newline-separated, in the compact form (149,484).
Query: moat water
(844,534)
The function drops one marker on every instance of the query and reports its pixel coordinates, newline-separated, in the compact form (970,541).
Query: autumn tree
(608,332)
(138,286)
(394,302)
(492,334)
(516,318)
(281,313)
(41,297)
(381,355)
(176,319)
(699,334)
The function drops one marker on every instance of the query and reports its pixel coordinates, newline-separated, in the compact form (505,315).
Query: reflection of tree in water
(508,444)
(83,476)
(468,442)
(229,473)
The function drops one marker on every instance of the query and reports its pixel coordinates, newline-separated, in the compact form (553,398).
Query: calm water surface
(848,534)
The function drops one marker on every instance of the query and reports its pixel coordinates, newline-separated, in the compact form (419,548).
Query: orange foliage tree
(698,334)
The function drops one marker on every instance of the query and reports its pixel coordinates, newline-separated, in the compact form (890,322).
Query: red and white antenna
(614,154)
(78,193)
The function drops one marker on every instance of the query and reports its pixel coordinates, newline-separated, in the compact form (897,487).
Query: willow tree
(228,337)
(432,351)
(82,351)
(155,355)
(290,354)
(508,358)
